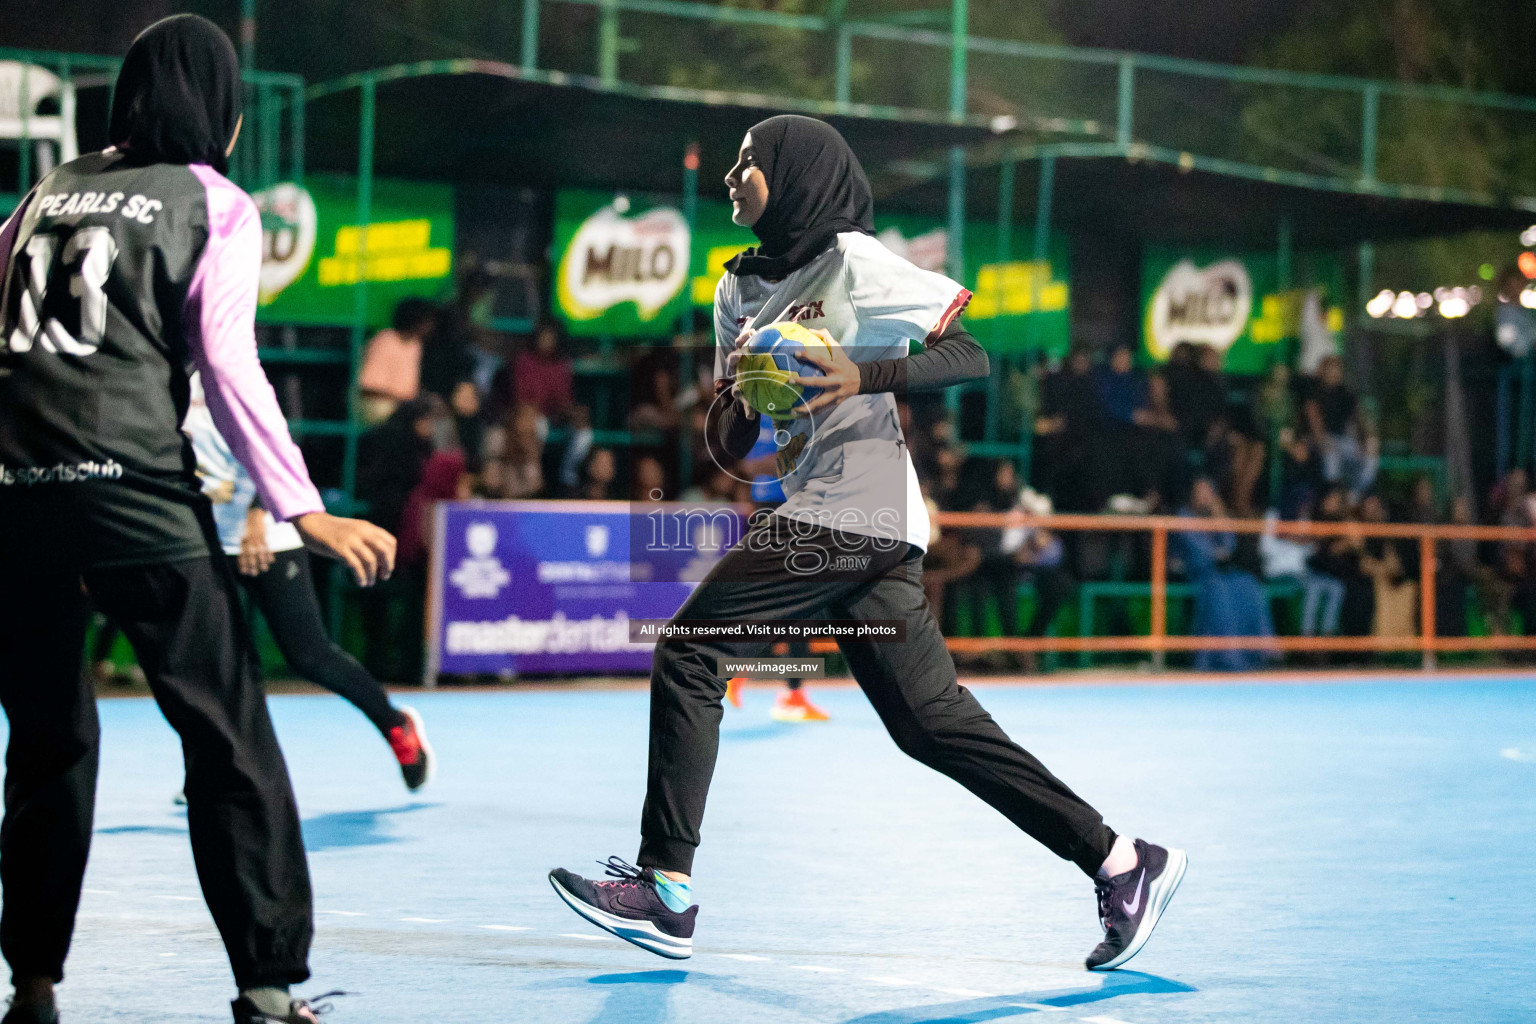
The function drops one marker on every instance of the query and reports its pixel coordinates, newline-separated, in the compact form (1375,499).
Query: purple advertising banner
(550,586)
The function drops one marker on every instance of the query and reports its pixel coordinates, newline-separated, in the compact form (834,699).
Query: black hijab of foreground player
(816,191)
(178,94)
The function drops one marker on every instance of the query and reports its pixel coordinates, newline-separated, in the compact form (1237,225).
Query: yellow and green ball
(771,358)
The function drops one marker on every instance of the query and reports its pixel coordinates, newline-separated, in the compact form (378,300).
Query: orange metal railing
(1158,641)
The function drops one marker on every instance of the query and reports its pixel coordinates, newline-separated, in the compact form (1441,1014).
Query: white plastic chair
(58,129)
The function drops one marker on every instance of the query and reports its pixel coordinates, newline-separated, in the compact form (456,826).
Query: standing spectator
(390,458)
(1229,601)
(443,478)
(1160,461)
(514,456)
(1121,387)
(542,376)
(391,371)
(1068,426)
(1197,393)
(1340,431)
(448,362)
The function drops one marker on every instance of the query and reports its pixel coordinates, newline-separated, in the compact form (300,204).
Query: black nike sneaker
(31,1013)
(1130,904)
(629,907)
(300,1011)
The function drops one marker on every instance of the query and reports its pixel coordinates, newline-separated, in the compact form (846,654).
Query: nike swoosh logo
(1135,905)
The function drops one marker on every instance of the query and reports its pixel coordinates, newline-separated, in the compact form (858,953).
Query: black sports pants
(285,593)
(184,623)
(781,571)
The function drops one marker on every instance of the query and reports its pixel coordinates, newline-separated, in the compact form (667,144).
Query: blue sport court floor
(1360,850)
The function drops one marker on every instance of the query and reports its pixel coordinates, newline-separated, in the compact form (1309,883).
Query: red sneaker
(794,706)
(733,692)
(409,742)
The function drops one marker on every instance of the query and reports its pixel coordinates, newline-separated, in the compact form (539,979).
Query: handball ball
(771,358)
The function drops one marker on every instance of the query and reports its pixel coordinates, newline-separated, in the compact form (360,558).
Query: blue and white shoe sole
(642,933)
(1159,893)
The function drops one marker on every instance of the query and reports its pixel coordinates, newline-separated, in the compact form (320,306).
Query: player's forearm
(736,430)
(954,358)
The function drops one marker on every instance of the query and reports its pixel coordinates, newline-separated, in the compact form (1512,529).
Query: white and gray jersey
(225,481)
(848,469)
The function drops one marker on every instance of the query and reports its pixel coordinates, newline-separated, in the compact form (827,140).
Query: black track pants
(285,593)
(911,685)
(184,623)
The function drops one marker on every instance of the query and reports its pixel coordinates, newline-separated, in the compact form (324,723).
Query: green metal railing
(272,135)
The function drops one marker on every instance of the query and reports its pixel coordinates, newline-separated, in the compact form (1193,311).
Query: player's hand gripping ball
(771,360)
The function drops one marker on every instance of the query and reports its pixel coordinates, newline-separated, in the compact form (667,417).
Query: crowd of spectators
(459,411)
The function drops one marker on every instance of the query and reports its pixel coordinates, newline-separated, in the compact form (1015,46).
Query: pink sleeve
(221,339)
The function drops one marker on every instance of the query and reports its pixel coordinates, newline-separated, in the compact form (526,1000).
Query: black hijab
(816,189)
(178,94)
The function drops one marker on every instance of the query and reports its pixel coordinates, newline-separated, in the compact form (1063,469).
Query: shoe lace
(1102,890)
(623,870)
(315,1006)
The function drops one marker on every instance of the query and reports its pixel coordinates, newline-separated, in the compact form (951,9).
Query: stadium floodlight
(1405,306)
(1381,304)
(1528,298)
(1453,307)
(1528,236)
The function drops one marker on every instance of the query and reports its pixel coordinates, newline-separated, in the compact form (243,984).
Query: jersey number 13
(87,258)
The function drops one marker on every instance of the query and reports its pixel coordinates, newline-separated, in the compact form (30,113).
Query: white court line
(747,957)
(585,938)
(167,954)
(886,979)
(1048,1008)
(342,913)
(503,928)
(178,899)
(425,920)
(968,993)
(818,970)
(1101,1020)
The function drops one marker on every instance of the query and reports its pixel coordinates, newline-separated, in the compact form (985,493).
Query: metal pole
(844,64)
(24,173)
(248,34)
(1369,109)
(297,128)
(1126,107)
(685,357)
(530,34)
(1427,599)
(608,43)
(1159,597)
(360,287)
(1367,267)
(1005,177)
(1283,254)
(959,19)
(1044,198)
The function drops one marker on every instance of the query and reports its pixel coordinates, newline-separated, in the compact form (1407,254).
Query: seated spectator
(577,447)
(948,560)
(448,359)
(1121,387)
(514,456)
(1229,601)
(1288,558)
(656,407)
(1464,563)
(443,478)
(391,371)
(1517,560)
(1384,561)
(649,481)
(1339,557)
(717,488)
(1341,432)
(598,474)
(1235,459)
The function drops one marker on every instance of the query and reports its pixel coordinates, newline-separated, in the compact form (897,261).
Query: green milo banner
(620,272)
(1232,302)
(314,249)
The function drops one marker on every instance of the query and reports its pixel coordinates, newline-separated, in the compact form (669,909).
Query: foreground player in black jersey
(118,272)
